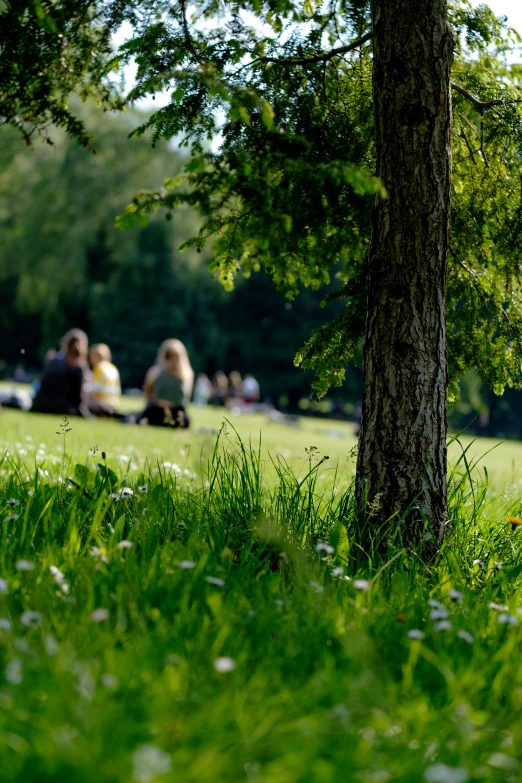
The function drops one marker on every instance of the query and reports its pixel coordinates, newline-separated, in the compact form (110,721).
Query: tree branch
(477,103)
(318,58)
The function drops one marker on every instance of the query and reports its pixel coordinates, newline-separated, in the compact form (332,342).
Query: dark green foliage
(48,50)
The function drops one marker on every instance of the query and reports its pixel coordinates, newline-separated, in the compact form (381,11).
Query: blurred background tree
(132,289)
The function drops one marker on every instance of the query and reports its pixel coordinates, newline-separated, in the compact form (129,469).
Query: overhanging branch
(482,105)
(318,58)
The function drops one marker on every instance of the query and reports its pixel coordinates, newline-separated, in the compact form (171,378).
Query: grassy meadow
(192,607)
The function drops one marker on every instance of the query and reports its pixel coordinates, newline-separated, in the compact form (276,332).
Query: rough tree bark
(402,449)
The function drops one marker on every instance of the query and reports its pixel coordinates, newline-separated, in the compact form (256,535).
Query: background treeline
(63,263)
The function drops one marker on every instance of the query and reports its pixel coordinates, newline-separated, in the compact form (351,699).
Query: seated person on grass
(105,385)
(168,386)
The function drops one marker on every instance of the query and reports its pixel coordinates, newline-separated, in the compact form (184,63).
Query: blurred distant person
(235,388)
(251,390)
(202,389)
(168,387)
(220,388)
(105,384)
(65,379)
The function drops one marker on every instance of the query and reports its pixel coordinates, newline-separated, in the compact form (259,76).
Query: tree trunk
(402,451)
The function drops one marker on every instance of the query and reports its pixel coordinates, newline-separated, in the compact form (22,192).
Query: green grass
(110,660)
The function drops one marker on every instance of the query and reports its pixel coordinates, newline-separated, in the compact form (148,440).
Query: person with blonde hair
(105,384)
(168,386)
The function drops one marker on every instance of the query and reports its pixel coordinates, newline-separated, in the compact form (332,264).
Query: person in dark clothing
(63,384)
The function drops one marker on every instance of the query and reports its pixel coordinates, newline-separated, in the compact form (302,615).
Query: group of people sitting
(77,381)
(80,381)
(232,391)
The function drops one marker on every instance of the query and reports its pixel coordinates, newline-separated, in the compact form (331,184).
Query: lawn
(175,611)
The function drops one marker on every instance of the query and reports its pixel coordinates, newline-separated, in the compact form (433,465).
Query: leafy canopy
(273,99)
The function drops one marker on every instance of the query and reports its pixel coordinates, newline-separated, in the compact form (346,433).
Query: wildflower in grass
(507,619)
(361,584)
(498,566)
(435,604)
(99,615)
(415,633)
(497,607)
(187,564)
(99,554)
(280,604)
(337,572)
(60,579)
(149,762)
(455,596)
(316,587)
(124,544)
(109,681)
(322,546)
(12,502)
(479,563)
(514,522)
(224,665)
(24,565)
(12,518)
(441,773)
(31,619)
(143,489)
(51,645)
(443,625)
(215,580)
(13,671)
(465,636)
(3,586)
(5,624)
(439,614)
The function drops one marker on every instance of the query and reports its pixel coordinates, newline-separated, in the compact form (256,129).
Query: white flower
(31,619)
(187,564)
(497,607)
(126,492)
(322,546)
(361,584)
(59,578)
(12,518)
(143,489)
(224,664)
(467,637)
(13,671)
(280,604)
(435,604)
(415,633)
(479,563)
(51,645)
(109,681)
(99,615)
(455,595)
(498,566)
(444,625)
(24,565)
(316,587)
(5,624)
(149,762)
(439,614)
(440,773)
(337,572)
(3,586)
(124,544)
(507,619)
(215,580)
(12,502)
(99,554)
